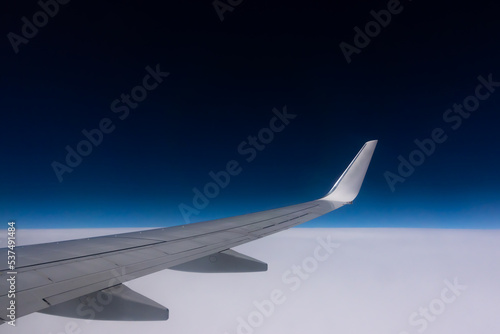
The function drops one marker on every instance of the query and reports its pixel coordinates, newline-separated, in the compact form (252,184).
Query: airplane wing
(83,278)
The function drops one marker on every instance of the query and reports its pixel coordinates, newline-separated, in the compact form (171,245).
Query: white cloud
(373,282)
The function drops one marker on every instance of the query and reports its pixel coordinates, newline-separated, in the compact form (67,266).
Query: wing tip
(349,183)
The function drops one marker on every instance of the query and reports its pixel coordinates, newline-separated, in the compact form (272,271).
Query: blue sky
(224,80)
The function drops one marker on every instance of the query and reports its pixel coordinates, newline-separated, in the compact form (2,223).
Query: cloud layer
(400,281)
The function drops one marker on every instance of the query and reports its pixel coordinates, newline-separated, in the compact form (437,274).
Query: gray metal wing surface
(57,277)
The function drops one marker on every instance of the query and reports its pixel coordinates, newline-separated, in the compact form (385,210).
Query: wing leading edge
(62,278)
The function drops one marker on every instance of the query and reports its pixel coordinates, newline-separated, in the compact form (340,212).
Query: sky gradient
(224,80)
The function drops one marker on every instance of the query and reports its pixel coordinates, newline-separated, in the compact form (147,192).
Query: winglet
(347,186)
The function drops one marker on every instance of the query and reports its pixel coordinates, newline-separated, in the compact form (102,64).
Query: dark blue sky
(225,78)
